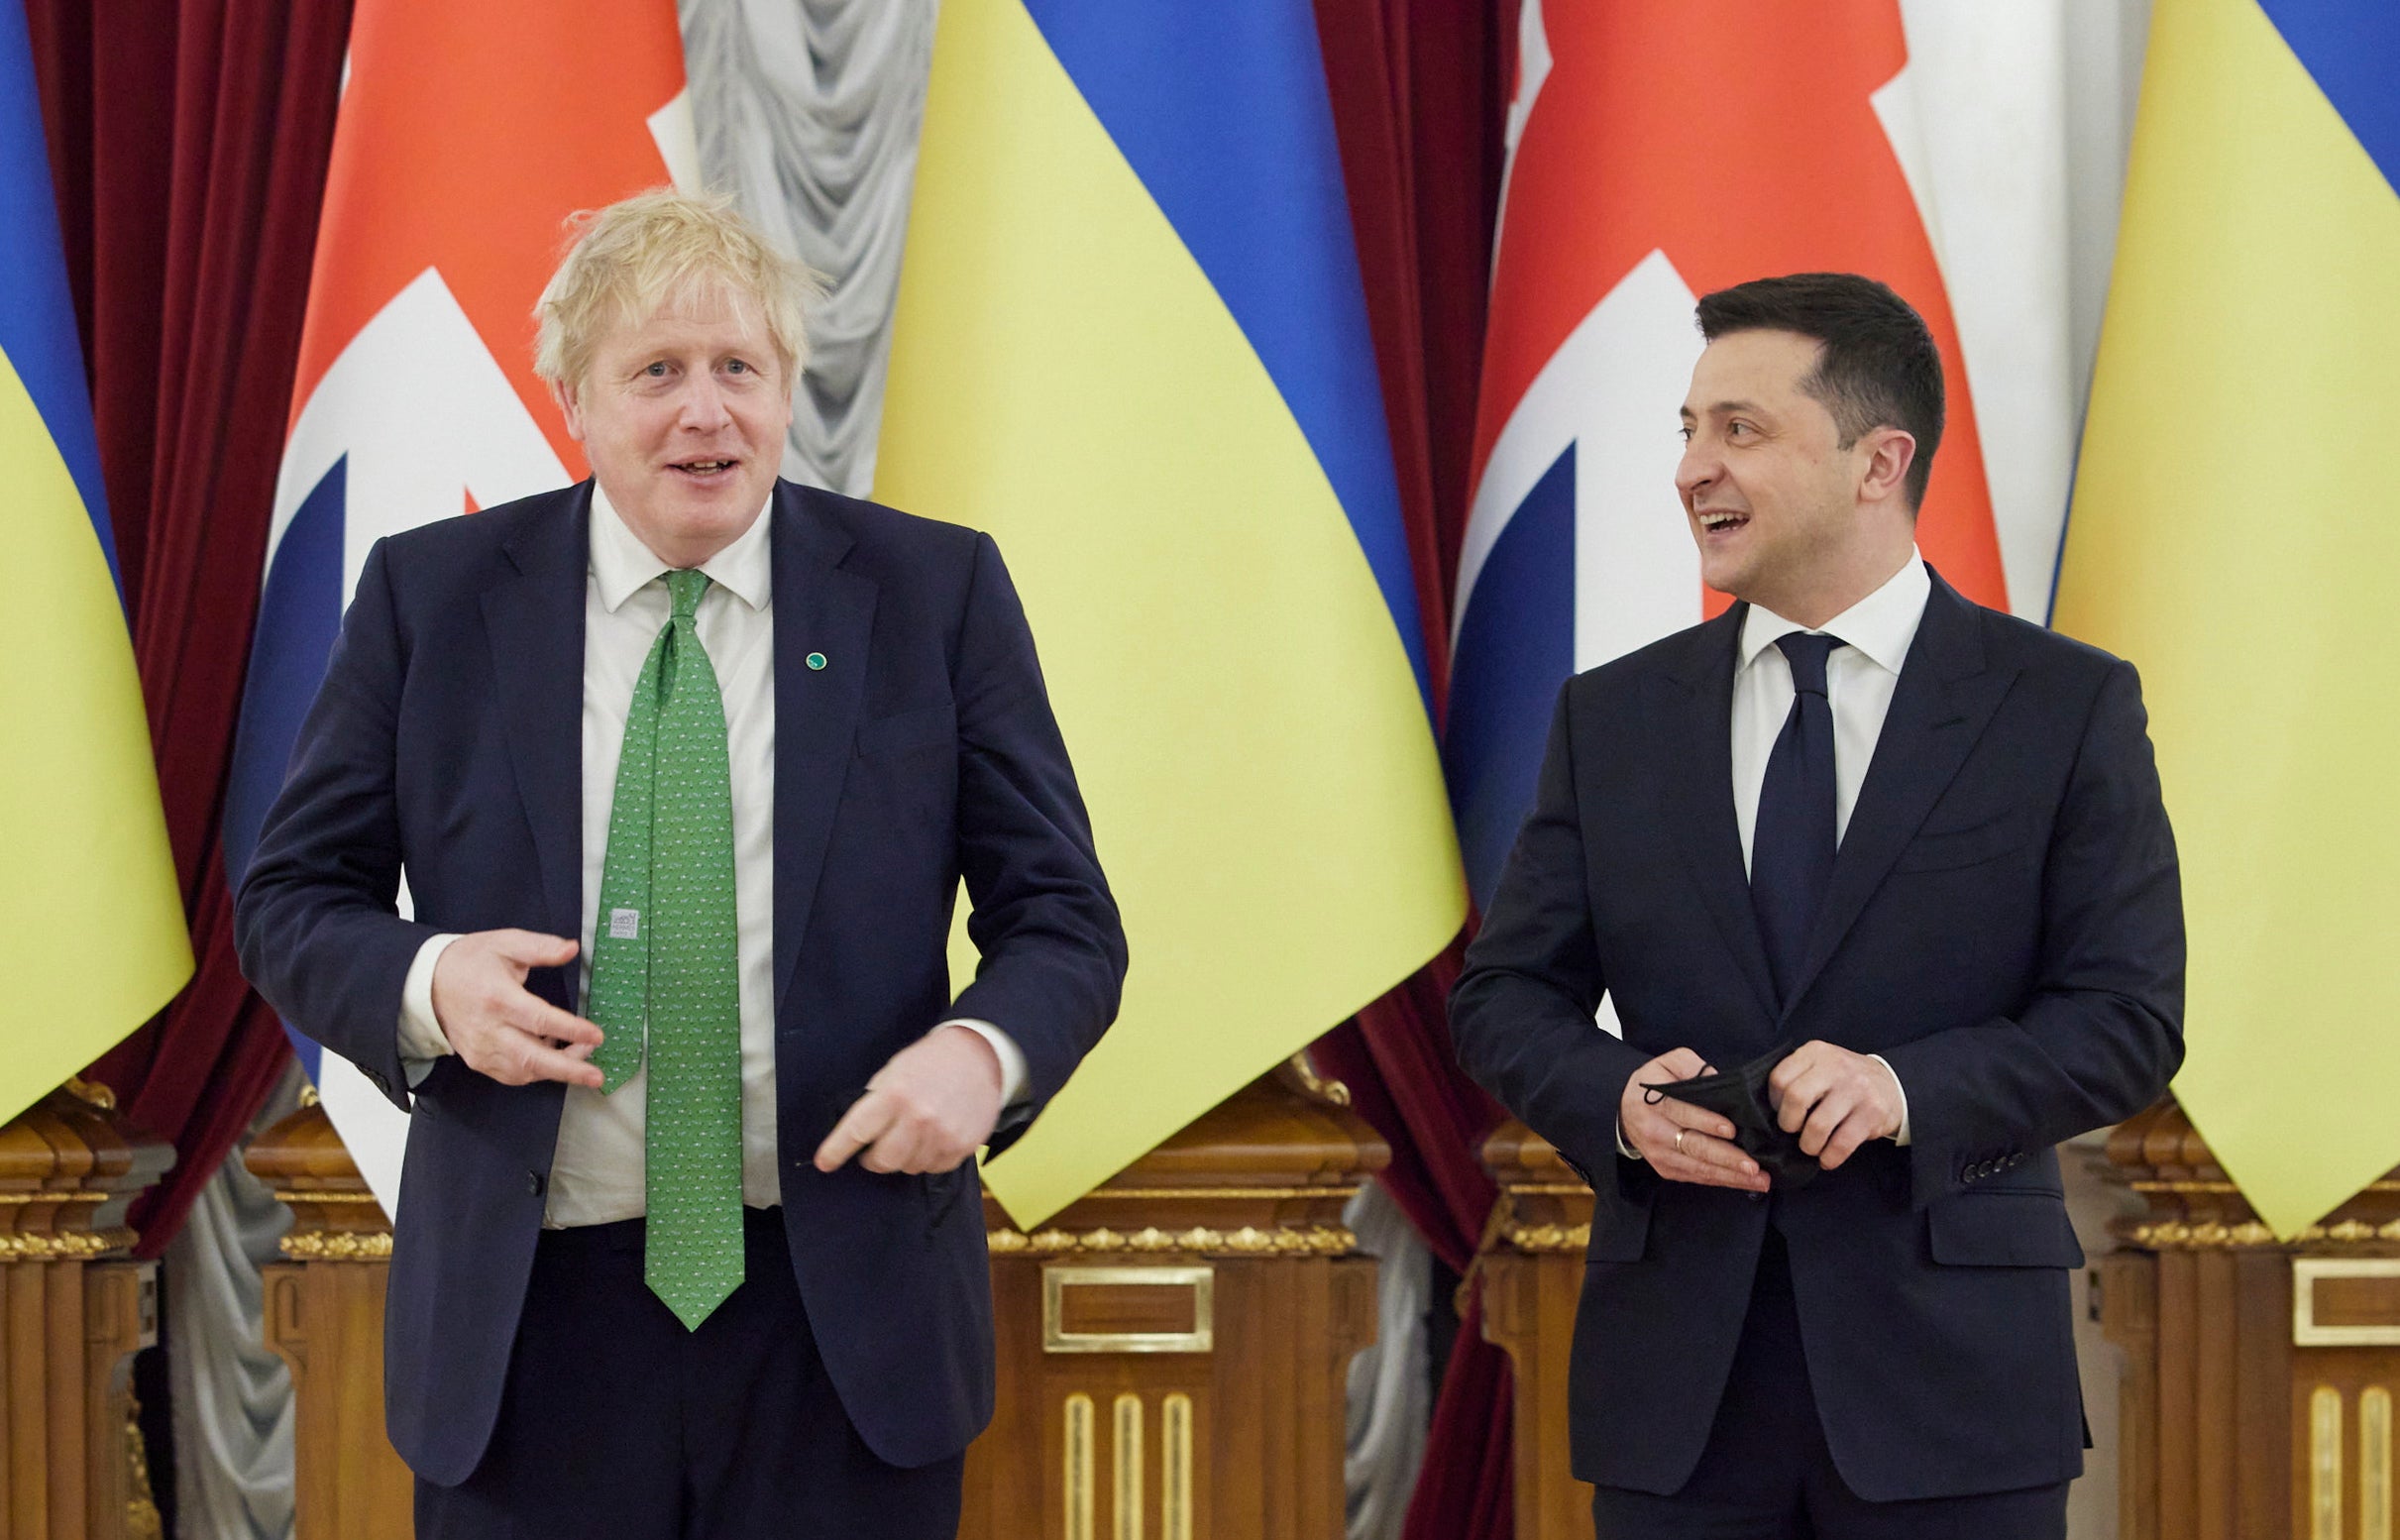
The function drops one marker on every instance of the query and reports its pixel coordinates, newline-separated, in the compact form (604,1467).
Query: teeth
(1720,520)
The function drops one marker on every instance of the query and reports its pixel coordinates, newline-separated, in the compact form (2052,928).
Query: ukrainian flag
(1132,343)
(2235,533)
(92,939)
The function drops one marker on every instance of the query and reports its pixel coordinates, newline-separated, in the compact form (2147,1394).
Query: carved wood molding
(2192,1205)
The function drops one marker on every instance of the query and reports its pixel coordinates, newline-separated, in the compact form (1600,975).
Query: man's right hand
(496,1025)
(1682,1143)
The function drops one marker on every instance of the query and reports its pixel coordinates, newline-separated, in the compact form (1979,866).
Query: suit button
(380,1084)
(536,1183)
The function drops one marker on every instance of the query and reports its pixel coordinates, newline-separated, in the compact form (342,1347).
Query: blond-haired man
(683,765)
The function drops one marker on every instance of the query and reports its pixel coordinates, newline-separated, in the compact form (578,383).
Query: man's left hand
(1835,1100)
(927,1110)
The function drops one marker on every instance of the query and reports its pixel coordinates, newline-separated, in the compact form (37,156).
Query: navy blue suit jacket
(2003,924)
(447,740)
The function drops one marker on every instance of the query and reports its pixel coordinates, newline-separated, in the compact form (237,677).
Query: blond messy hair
(656,248)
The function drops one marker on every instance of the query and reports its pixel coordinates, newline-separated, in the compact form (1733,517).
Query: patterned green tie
(663,954)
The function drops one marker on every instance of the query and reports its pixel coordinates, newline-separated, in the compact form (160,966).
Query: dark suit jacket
(447,740)
(2003,924)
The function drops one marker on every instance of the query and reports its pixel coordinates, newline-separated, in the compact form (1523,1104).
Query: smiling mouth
(1717,522)
(703,467)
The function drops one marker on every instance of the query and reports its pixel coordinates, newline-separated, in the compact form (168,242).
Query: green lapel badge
(816,660)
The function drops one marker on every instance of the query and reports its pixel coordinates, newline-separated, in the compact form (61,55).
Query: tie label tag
(624,925)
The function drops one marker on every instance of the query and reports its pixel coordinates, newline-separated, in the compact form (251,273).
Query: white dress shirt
(597,1172)
(1860,677)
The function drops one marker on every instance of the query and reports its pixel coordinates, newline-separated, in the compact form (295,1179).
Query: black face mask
(1740,1097)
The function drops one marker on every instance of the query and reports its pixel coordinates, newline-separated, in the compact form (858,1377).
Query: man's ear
(1889,454)
(570,406)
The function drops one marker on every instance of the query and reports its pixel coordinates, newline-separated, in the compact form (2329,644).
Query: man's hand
(1684,1142)
(924,1111)
(495,1024)
(1835,1100)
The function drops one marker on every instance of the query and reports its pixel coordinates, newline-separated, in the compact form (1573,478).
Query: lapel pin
(816,660)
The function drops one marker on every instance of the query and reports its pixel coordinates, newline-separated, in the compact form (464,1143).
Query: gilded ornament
(1548,1237)
(65,1246)
(338,1246)
(1314,1241)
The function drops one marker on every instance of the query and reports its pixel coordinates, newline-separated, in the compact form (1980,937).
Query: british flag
(1656,153)
(469,131)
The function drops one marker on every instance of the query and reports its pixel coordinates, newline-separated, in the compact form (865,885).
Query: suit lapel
(534,618)
(1944,700)
(1692,701)
(821,611)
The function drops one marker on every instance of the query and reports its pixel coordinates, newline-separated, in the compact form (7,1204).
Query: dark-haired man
(1909,853)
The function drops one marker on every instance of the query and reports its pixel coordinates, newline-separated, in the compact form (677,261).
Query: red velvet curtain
(188,142)
(1418,92)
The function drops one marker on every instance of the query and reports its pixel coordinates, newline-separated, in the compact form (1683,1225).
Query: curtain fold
(188,143)
(1418,105)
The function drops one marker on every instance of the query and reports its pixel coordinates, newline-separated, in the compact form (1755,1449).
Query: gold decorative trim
(2151,1185)
(1175,1467)
(1546,1238)
(90,1092)
(19,1199)
(309,1097)
(142,1519)
(65,1246)
(338,1246)
(1316,1084)
(2325,1465)
(2174,1236)
(1125,1454)
(1055,1338)
(1546,1190)
(2375,1463)
(1316,1241)
(1077,1471)
(2306,1333)
(1156,1193)
(296,1196)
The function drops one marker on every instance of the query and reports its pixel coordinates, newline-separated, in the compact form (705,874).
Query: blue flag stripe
(36,310)
(2352,49)
(1222,110)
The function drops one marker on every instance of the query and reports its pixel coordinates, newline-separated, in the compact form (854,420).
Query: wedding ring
(1678,1139)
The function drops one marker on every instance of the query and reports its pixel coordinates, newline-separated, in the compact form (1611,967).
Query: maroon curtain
(1418,98)
(188,140)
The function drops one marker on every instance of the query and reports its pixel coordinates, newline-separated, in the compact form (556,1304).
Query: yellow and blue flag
(2233,534)
(92,937)
(1132,343)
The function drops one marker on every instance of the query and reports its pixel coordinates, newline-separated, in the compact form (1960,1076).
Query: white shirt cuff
(422,1039)
(1624,1148)
(1012,1057)
(1900,1138)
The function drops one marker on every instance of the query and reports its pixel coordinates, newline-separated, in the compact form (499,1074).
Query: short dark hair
(1878,368)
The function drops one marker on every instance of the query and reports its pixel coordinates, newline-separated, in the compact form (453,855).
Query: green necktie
(663,956)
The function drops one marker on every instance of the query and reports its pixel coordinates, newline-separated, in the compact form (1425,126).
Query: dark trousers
(1767,1475)
(617,1422)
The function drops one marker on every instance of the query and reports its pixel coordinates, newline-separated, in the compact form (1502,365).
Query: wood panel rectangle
(1139,1309)
(2345,1301)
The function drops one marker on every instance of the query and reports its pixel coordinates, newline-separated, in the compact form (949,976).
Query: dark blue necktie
(1791,845)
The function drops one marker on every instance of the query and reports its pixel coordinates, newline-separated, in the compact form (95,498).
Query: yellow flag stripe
(2233,535)
(1263,784)
(92,937)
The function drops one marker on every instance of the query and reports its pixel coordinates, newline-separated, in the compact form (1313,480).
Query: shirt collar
(621,564)
(1880,626)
